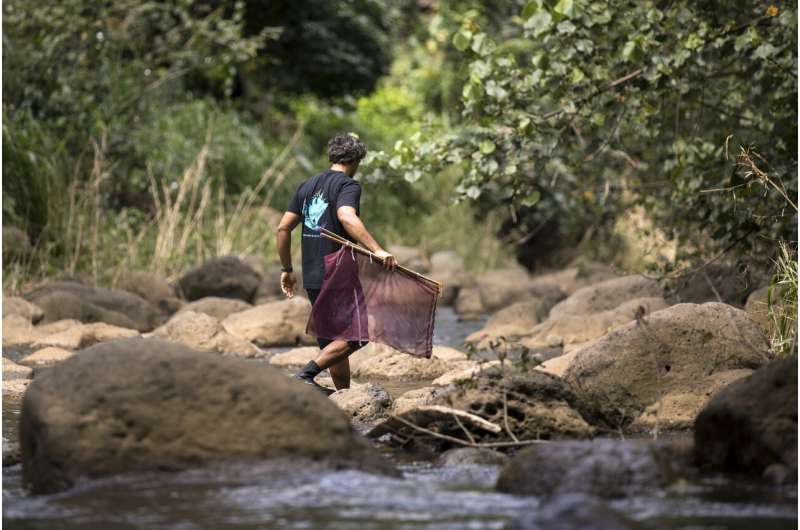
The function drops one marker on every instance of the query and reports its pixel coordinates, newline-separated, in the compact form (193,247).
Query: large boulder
(14,305)
(219,308)
(205,333)
(226,277)
(363,403)
(606,295)
(71,300)
(675,350)
(145,404)
(603,467)
(152,288)
(751,426)
(574,511)
(281,323)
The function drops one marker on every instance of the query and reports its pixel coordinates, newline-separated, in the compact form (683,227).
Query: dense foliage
(545,122)
(591,107)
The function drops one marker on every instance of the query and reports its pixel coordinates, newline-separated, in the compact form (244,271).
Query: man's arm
(352,223)
(285,227)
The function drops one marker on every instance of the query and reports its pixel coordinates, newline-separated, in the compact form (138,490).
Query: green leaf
(487,147)
(462,39)
(629,50)
(530,9)
(565,8)
(539,23)
(531,199)
(765,50)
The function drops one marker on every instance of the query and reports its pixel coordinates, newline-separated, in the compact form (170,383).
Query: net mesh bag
(363,302)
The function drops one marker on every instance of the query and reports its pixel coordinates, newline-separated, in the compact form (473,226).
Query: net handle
(358,248)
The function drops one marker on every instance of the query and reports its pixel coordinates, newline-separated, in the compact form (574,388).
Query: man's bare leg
(334,353)
(340,373)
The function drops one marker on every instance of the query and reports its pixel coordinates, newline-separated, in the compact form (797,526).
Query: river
(426,497)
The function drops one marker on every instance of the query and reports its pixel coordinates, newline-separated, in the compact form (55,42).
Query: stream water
(426,497)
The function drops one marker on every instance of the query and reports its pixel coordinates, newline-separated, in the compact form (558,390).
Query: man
(329,200)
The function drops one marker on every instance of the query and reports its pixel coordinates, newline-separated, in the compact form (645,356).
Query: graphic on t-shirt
(313,211)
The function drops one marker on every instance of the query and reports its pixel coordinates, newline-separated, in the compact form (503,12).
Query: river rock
(70,300)
(219,308)
(470,370)
(603,467)
(575,329)
(295,358)
(606,295)
(675,350)
(226,277)
(539,405)
(510,323)
(448,266)
(751,425)
(152,288)
(574,511)
(676,411)
(146,405)
(418,397)
(757,307)
(83,335)
(397,366)
(16,244)
(558,365)
(11,454)
(205,333)
(15,378)
(471,456)
(715,282)
(363,403)
(14,305)
(281,323)
(19,332)
(46,356)
(468,304)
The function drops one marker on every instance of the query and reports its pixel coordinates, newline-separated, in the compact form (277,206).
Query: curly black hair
(345,148)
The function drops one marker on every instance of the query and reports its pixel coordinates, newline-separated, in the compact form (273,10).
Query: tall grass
(782,302)
(192,220)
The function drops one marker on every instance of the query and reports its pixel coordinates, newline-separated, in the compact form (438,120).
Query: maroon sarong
(363,302)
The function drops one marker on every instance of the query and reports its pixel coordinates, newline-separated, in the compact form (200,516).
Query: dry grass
(191,222)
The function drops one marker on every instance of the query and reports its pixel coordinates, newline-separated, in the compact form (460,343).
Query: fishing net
(363,302)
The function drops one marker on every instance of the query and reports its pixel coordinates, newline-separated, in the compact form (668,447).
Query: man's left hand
(288,283)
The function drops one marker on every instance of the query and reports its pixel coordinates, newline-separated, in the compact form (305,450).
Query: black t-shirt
(316,201)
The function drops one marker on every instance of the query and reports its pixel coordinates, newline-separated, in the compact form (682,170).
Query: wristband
(287,269)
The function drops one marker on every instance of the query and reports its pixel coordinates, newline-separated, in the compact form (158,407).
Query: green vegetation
(156,134)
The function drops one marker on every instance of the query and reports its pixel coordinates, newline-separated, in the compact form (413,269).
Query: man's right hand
(288,283)
(389,261)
